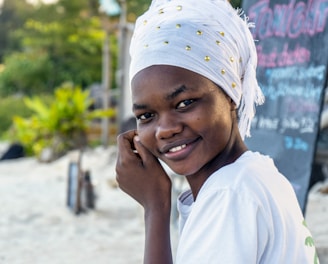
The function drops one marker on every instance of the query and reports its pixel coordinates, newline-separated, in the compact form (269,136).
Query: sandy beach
(36,226)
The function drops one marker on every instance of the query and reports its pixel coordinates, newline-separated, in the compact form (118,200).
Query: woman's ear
(233,110)
(233,105)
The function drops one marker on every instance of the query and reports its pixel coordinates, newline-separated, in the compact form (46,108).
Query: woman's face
(183,118)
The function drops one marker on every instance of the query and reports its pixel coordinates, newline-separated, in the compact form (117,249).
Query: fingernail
(136,138)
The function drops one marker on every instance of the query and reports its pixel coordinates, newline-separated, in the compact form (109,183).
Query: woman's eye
(145,116)
(185,103)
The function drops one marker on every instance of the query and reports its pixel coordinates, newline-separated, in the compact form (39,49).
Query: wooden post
(106,80)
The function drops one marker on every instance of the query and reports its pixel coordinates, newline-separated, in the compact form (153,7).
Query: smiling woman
(194,87)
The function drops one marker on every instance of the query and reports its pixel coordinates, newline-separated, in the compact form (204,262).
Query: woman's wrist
(161,209)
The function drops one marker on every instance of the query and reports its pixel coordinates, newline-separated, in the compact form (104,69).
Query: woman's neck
(234,149)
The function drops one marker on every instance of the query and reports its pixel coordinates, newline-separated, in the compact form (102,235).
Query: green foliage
(10,106)
(14,106)
(74,47)
(44,45)
(61,126)
(25,73)
(13,15)
(236,3)
(135,8)
(55,43)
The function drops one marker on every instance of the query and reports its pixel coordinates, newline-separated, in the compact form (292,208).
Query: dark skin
(188,122)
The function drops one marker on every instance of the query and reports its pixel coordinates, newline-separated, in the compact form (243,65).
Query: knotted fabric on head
(208,37)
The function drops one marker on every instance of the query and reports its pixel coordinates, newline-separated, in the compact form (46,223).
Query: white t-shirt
(245,213)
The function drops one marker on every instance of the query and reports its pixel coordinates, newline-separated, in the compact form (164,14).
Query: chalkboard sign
(292,44)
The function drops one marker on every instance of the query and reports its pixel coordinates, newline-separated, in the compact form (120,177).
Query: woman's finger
(145,154)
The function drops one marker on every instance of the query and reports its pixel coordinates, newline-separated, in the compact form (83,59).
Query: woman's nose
(168,126)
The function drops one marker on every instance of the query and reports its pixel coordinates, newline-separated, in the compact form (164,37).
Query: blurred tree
(236,3)
(13,15)
(25,73)
(137,7)
(61,125)
(55,43)
(69,35)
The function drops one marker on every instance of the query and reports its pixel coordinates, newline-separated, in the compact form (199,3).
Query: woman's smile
(179,150)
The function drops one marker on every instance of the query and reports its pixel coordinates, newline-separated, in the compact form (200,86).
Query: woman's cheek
(145,138)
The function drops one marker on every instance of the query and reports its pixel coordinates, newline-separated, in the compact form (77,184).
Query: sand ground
(37,227)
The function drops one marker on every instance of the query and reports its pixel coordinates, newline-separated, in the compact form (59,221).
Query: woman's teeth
(175,149)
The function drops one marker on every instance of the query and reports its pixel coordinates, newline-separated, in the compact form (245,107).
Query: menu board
(292,44)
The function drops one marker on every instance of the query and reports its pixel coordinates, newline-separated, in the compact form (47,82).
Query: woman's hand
(140,174)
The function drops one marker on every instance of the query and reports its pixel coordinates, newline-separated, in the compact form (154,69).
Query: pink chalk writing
(288,20)
(302,108)
(286,57)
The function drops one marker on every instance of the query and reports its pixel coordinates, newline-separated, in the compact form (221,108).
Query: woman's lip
(181,150)
(174,145)
(178,148)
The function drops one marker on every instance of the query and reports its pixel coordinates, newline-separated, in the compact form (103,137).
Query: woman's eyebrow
(169,96)
(139,107)
(176,92)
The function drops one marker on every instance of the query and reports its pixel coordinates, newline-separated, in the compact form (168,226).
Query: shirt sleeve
(224,227)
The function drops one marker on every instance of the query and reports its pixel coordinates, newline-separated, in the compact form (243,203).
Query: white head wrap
(208,37)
